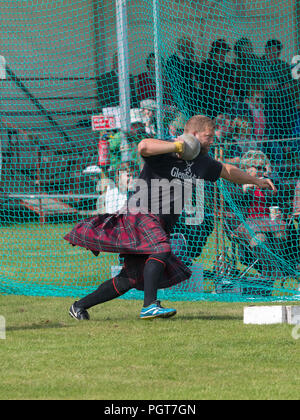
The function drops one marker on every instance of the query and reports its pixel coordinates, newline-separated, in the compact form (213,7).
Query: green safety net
(234,61)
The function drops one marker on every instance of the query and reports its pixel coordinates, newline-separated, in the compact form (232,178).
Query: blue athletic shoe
(156,311)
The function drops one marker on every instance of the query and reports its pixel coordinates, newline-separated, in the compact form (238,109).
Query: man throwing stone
(140,230)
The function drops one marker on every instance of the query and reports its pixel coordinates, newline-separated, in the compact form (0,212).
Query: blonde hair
(254,158)
(198,123)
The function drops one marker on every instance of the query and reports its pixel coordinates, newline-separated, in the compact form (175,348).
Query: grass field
(34,252)
(205,352)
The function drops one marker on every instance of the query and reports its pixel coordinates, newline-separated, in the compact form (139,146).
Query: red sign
(103,122)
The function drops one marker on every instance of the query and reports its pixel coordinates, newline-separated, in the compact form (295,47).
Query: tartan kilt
(135,236)
(251,227)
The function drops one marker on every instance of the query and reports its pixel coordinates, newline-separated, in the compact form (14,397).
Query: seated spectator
(115,191)
(257,164)
(295,234)
(252,108)
(108,87)
(149,108)
(256,112)
(181,71)
(243,134)
(260,229)
(216,80)
(280,92)
(224,137)
(223,126)
(146,83)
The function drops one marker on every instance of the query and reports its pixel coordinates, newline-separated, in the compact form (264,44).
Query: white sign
(2,328)
(103,122)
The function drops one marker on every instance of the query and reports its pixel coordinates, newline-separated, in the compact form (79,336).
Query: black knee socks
(108,290)
(119,285)
(153,271)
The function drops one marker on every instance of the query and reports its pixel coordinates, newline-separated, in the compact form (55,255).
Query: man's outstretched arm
(236,176)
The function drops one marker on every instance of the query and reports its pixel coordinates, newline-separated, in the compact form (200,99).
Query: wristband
(178,147)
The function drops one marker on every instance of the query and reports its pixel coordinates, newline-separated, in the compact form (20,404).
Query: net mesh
(234,61)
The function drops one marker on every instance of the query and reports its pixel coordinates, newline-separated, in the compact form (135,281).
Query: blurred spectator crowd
(253,100)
